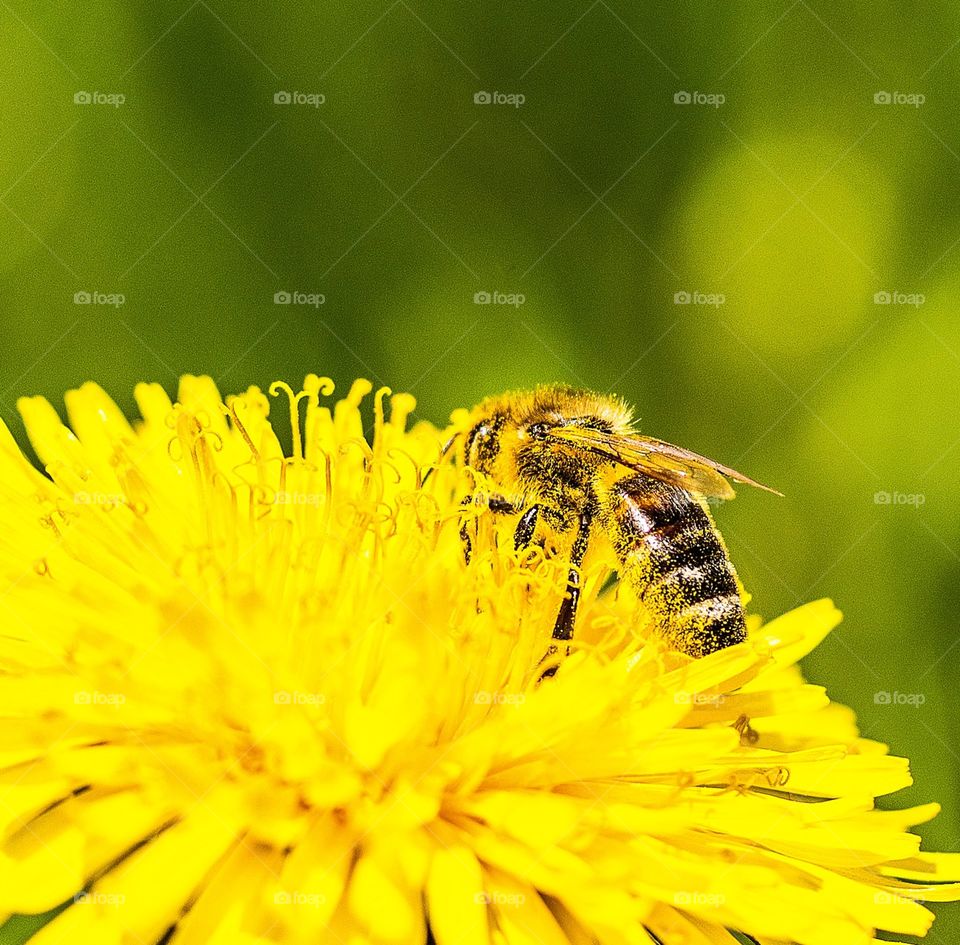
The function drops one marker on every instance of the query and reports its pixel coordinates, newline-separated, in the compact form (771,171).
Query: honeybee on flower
(303,749)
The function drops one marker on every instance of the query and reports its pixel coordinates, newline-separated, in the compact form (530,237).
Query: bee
(572,468)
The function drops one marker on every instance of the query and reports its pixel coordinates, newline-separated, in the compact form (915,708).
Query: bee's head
(501,445)
(540,453)
(512,437)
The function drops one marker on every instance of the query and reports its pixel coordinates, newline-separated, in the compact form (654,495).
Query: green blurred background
(789,168)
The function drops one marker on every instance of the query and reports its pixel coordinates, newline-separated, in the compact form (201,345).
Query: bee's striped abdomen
(672,554)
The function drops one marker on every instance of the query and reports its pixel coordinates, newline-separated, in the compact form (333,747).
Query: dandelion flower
(256,697)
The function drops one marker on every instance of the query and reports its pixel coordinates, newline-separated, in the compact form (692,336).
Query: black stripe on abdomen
(673,555)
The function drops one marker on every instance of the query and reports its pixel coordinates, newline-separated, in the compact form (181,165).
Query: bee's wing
(664,461)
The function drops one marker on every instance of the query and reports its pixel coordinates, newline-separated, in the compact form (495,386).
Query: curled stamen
(357,443)
(779,776)
(434,467)
(316,386)
(426,514)
(220,478)
(385,514)
(262,495)
(403,454)
(748,735)
(294,401)
(397,475)
(47,521)
(378,421)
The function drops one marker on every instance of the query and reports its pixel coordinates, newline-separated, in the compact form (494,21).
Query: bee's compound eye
(538,431)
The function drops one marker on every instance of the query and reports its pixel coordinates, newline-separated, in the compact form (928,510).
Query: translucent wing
(664,461)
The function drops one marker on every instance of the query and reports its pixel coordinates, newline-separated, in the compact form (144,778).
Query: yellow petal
(379,901)
(144,894)
(456,900)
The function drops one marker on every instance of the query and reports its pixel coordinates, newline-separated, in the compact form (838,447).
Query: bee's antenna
(443,455)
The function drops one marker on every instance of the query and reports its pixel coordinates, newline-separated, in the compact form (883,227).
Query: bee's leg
(501,506)
(527,525)
(496,504)
(567,615)
(465,541)
(563,628)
